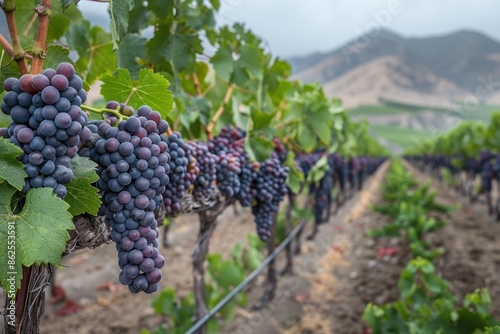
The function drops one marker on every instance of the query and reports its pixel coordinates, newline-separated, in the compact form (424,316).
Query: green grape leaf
(165,303)
(223,63)
(319,170)
(307,139)
(163,9)
(82,196)
(95,50)
(228,275)
(56,54)
(66,3)
(295,175)
(180,49)
(258,148)
(8,68)
(251,58)
(215,4)
(11,169)
(40,231)
(254,258)
(130,53)
(151,90)
(261,119)
(119,12)
(229,311)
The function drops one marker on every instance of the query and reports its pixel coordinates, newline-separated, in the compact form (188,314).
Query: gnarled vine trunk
(208,223)
(89,232)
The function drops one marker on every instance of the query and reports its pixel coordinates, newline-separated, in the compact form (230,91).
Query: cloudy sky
(299,27)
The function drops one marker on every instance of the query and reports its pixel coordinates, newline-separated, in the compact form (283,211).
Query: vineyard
(206,190)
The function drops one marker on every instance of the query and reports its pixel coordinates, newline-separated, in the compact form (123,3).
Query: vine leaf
(223,63)
(66,3)
(95,50)
(295,175)
(82,196)
(151,90)
(180,49)
(130,53)
(56,54)
(319,170)
(8,68)
(40,231)
(119,12)
(258,148)
(11,169)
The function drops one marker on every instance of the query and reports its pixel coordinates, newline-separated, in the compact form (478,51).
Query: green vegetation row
(427,303)
(466,140)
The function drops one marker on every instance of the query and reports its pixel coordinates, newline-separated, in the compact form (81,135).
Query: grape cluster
(307,161)
(339,167)
(322,195)
(354,169)
(235,173)
(206,169)
(271,189)
(248,192)
(47,124)
(183,172)
(133,167)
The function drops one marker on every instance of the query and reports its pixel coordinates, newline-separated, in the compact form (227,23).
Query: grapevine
(223,131)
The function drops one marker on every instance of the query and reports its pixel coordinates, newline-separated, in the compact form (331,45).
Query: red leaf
(387,251)
(338,249)
(58,295)
(300,298)
(70,307)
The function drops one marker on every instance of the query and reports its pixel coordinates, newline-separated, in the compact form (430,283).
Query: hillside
(438,70)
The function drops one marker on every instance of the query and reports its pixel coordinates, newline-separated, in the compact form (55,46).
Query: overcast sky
(300,27)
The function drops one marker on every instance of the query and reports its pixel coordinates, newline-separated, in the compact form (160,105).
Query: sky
(301,27)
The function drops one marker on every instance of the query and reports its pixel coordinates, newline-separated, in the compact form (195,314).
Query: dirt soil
(334,277)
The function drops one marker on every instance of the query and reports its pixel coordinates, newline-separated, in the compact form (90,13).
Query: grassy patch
(403,137)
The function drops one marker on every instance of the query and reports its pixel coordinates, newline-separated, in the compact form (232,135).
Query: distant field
(481,113)
(402,137)
(372,110)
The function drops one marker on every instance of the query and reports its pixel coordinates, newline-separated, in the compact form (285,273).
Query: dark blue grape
(50,95)
(47,128)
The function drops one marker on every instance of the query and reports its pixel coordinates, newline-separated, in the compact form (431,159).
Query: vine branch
(102,111)
(43,12)
(197,84)
(9,8)
(220,111)
(6,46)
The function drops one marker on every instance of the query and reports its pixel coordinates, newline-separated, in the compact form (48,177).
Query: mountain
(438,69)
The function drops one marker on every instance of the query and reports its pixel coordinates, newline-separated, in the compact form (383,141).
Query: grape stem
(197,83)
(281,107)
(102,111)
(43,11)
(9,8)
(220,111)
(6,46)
